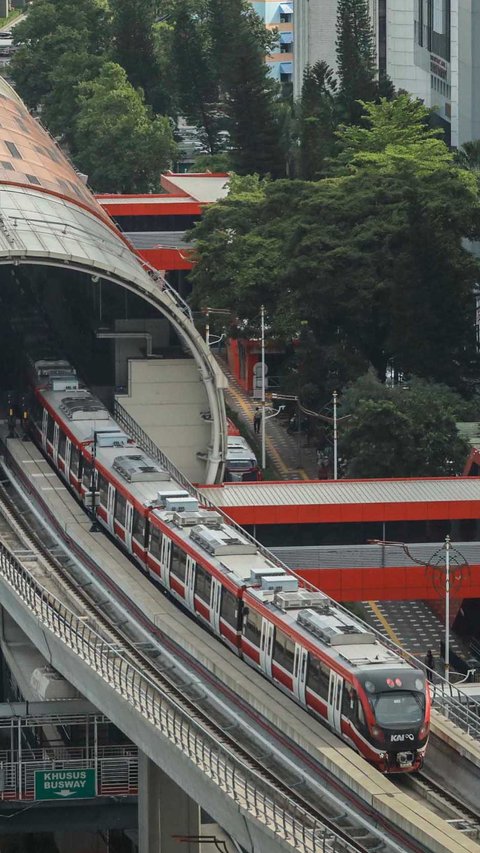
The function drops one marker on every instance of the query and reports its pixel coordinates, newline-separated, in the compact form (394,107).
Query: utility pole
(447,608)
(264,451)
(335,437)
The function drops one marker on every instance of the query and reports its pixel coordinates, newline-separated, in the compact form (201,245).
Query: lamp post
(94,528)
(447,608)
(262,331)
(335,437)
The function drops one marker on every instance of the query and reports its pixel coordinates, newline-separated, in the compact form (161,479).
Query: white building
(430,48)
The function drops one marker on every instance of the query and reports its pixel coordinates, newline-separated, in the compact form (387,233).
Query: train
(241,464)
(300,640)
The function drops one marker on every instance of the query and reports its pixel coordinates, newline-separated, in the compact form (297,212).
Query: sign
(65,784)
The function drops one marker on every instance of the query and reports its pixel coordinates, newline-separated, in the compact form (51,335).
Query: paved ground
(289,457)
(413,625)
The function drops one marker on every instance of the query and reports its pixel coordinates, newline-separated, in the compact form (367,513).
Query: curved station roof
(48,216)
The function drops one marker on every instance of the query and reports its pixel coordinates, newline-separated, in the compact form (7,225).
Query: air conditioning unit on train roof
(220,540)
(181,504)
(333,629)
(138,468)
(111,438)
(298,600)
(284,582)
(64,383)
(163,495)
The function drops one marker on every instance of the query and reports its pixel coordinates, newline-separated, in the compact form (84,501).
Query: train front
(397,710)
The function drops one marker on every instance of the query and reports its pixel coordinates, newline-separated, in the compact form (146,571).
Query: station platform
(288,455)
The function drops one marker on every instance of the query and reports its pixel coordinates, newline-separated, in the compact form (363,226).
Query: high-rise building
(278,16)
(430,48)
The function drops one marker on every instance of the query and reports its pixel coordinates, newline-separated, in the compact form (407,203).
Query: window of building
(285,17)
(252,626)
(318,677)
(179,562)
(283,650)
(32,179)
(203,584)
(13,149)
(6,165)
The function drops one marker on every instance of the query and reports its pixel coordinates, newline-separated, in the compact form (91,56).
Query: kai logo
(401,738)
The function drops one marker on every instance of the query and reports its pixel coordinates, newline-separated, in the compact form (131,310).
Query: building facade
(279,16)
(430,48)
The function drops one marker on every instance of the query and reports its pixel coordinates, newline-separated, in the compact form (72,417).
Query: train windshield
(398,708)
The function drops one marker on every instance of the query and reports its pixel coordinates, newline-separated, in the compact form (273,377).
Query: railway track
(450,807)
(21,533)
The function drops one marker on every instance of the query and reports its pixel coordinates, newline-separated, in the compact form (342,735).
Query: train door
(215,604)
(111,507)
(165,556)
(128,525)
(266,646)
(68,456)
(56,432)
(190,582)
(44,428)
(300,672)
(335,687)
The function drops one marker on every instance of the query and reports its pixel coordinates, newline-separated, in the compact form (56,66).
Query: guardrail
(446,698)
(115,777)
(247,788)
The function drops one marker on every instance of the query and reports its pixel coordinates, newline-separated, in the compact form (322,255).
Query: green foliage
(117,141)
(364,268)
(402,432)
(317,121)
(133,43)
(355,57)
(212,163)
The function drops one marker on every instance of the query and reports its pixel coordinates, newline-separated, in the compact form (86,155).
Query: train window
(283,650)
(62,441)
(50,428)
(103,489)
(318,677)
(120,508)
(138,529)
(179,562)
(349,700)
(155,541)
(229,608)
(203,584)
(87,475)
(74,460)
(253,627)
(36,412)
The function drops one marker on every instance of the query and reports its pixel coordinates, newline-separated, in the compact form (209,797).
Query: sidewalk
(287,454)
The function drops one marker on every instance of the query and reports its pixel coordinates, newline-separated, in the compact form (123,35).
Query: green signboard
(65,784)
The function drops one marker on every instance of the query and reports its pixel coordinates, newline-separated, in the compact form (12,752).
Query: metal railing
(446,698)
(114,776)
(221,763)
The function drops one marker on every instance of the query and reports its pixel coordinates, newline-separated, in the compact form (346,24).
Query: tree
(50,32)
(318,120)
(250,94)
(134,47)
(194,70)
(403,432)
(117,141)
(365,268)
(355,57)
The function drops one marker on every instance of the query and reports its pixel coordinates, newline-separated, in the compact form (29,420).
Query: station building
(279,16)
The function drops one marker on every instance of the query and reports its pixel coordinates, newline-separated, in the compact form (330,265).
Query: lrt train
(313,650)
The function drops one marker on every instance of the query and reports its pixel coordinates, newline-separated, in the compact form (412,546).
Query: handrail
(448,700)
(247,788)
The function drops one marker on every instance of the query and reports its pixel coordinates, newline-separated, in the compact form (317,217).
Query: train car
(311,649)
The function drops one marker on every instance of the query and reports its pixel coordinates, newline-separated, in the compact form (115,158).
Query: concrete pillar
(164,810)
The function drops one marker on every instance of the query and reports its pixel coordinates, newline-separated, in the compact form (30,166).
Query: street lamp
(216,311)
(441,560)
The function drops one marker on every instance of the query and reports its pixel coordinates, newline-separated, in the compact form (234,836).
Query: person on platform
(429,665)
(257,420)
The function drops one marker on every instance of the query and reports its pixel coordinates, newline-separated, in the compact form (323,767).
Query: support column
(164,811)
